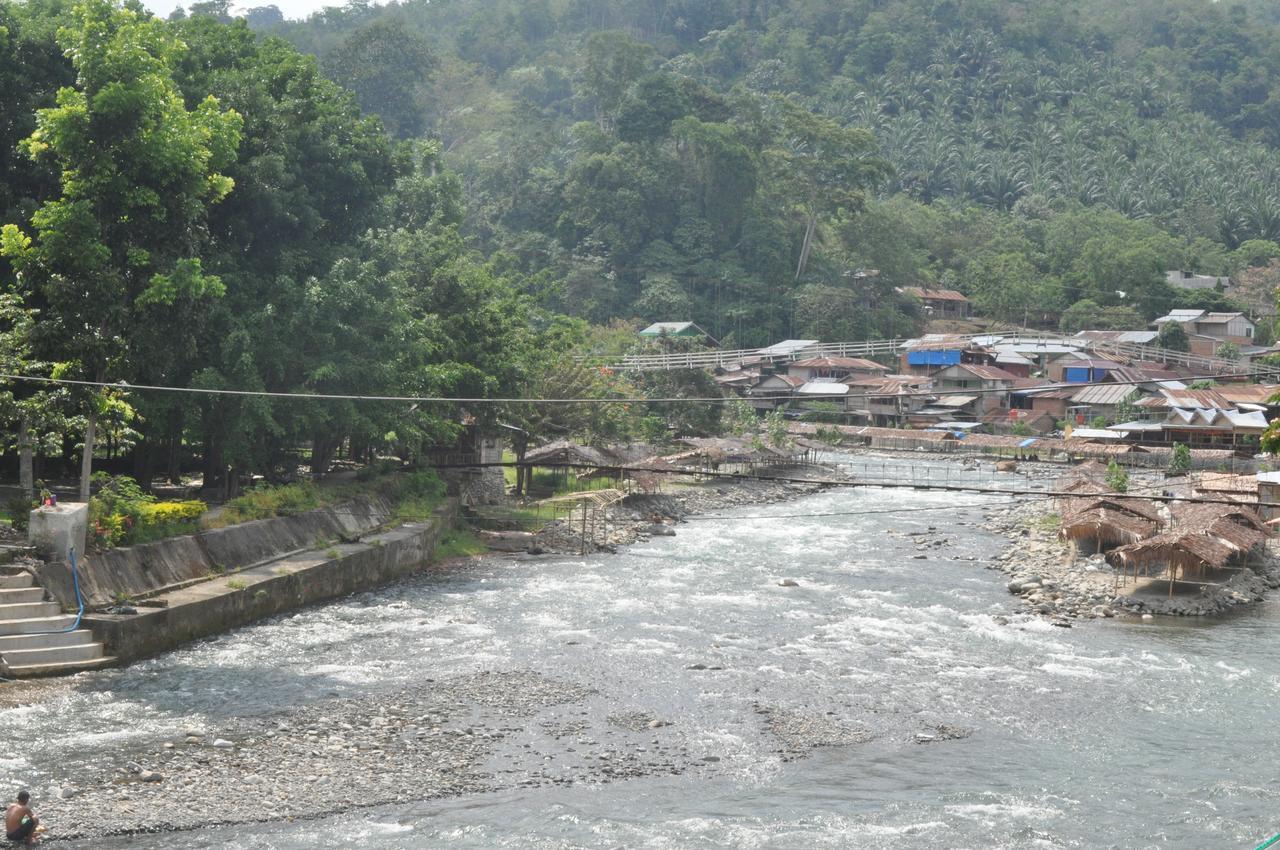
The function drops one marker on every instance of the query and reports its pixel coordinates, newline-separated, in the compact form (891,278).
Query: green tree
(1173,337)
(118,251)
(387,67)
(1117,478)
(821,167)
(1179,460)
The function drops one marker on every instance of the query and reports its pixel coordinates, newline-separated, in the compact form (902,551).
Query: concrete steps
(29,610)
(16,581)
(36,671)
(16,595)
(33,637)
(34,625)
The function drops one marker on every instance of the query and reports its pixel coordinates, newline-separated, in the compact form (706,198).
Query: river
(1111,734)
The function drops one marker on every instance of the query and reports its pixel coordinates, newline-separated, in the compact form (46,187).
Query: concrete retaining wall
(284,584)
(138,570)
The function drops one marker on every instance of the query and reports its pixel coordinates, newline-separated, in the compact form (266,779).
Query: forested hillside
(738,162)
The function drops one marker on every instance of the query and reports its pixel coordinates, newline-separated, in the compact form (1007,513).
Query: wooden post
(584,529)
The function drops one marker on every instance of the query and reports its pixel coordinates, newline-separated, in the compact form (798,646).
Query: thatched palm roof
(1132,505)
(1207,535)
(1106,526)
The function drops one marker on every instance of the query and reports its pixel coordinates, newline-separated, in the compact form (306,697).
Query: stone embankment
(1046,573)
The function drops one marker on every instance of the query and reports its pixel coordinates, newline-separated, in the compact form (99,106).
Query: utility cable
(398,399)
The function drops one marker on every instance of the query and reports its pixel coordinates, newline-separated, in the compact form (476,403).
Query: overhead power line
(304,396)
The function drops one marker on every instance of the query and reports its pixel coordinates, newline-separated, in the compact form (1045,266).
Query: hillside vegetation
(736,163)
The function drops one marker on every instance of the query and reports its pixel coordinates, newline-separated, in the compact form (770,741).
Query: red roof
(840,363)
(987,373)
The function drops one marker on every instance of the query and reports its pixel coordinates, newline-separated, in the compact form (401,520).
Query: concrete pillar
(54,530)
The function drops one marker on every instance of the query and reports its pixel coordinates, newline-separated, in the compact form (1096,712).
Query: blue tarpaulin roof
(934,357)
(1028,441)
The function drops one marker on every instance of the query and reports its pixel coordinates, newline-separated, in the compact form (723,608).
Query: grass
(1046,523)
(236,584)
(459,543)
(266,502)
(332,554)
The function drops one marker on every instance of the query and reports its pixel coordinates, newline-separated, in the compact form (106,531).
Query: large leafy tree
(821,167)
(118,251)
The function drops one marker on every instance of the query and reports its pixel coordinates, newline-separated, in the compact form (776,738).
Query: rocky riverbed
(461,735)
(455,736)
(643,516)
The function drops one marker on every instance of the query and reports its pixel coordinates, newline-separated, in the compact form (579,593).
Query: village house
(835,368)
(1190,280)
(887,401)
(936,351)
(1104,400)
(1207,331)
(773,391)
(679,330)
(940,303)
(1051,401)
(990,383)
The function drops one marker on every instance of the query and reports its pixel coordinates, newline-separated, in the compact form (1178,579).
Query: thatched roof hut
(1135,506)
(568,453)
(1105,527)
(738,450)
(1206,537)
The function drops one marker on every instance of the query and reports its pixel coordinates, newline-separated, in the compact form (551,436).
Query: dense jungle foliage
(443,198)
(656,159)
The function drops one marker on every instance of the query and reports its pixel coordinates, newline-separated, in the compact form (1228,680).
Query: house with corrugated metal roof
(940,303)
(678,330)
(937,351)
(1207,331)
(835,368)
(990,383)
(1104,400)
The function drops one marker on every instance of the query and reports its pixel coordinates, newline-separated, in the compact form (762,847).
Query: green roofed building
(683,330)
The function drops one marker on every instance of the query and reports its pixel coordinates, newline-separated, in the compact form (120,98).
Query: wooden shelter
(1206,538)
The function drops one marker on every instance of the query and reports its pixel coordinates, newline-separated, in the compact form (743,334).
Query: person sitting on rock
(20,823)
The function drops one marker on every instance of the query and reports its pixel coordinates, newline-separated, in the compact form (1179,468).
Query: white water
(1110,734)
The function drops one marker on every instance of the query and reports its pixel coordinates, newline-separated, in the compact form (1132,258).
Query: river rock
(223,744)
(786,582)
(659,529)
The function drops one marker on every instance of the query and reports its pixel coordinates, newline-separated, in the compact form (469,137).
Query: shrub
(18,509)
(1117,478)
(122,514)
(265,501)
(1179,459)
(236,584)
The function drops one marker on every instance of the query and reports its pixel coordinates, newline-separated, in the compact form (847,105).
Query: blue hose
(1270,841)
(75,581)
